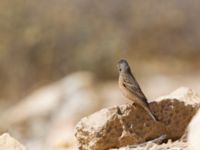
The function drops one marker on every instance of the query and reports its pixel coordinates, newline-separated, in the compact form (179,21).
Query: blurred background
(58,55)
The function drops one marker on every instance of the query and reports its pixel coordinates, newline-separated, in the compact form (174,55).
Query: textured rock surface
(177,145)
(9,143)
(122,125)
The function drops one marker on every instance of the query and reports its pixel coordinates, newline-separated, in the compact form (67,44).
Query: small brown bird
(130,87)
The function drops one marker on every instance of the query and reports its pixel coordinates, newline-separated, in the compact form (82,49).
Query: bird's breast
(125,91)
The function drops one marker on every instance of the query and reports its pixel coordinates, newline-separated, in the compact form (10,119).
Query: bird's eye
(120,69)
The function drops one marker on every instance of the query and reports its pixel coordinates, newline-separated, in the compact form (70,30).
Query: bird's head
(123,65)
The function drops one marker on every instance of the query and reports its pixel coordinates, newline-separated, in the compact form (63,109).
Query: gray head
(123,66)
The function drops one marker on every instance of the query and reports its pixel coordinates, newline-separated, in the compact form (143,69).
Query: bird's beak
(118,67)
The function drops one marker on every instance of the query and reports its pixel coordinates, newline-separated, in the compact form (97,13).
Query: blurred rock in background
(9,143)
(47,117)
(194,132)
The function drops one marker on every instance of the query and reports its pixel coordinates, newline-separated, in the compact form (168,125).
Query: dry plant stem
(158,140)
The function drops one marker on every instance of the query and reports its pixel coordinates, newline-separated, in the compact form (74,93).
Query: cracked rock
(126,124)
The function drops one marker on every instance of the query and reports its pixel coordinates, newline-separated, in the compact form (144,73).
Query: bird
(130,87)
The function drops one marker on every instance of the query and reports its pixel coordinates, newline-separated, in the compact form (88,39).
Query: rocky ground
(126,124)
(46,118)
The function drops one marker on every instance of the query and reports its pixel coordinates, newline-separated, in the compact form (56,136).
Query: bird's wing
(131,85)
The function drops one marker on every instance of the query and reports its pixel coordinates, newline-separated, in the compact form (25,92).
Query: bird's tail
(147,109)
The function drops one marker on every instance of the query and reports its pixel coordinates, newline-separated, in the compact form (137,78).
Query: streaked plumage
(130,87)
